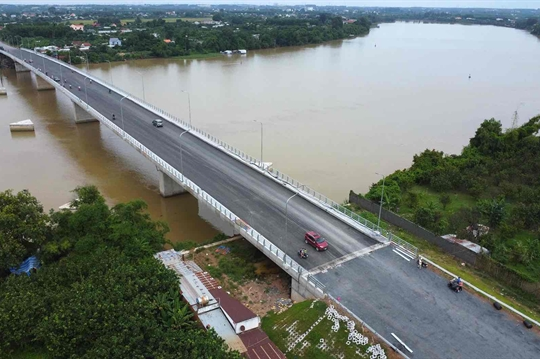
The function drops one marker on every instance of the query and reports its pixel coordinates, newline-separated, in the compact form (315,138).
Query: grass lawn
(308,318)
(426,195)
(518,299)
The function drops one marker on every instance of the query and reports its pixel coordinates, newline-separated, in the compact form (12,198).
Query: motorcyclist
(113,117)
(303,253)
(109,90)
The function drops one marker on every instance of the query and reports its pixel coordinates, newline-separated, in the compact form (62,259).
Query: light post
(181,155)
(19,44)
(122,114)
(381,204)
(85,91)
(110,71)
(189,106)
(43,58)
(287,215)
(85,54)
(262,163)
(61,77)
(142,77)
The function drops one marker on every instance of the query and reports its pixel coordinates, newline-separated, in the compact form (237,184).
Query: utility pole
(381,204)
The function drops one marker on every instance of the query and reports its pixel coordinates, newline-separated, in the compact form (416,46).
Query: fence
(451,248)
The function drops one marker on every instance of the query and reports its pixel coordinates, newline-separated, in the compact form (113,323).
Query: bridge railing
(321,199)
(249,232)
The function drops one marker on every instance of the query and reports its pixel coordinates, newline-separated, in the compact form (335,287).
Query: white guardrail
(330,206)
(244,228)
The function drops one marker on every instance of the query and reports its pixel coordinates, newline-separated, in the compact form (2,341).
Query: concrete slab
(393,296)
(26,125)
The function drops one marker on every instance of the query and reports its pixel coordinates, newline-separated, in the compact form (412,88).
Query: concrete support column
(299,292)
(20,68)
(81,116)
(168,187)
(43,85)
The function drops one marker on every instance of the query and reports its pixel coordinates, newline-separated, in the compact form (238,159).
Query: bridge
(366,269)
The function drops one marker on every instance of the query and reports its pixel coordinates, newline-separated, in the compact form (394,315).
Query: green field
(84,22)
(426,195)
(308,319)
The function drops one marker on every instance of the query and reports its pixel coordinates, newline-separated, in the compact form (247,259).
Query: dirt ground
(270,290)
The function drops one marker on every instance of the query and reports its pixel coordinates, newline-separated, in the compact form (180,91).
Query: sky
(503,4)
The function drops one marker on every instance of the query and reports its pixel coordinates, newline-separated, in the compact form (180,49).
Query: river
(334,115)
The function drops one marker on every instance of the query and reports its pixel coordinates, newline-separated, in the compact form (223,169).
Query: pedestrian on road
(419,262)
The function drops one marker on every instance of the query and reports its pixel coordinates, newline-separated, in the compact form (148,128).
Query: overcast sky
(505,4)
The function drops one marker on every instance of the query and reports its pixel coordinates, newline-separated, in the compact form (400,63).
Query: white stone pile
(354,336)
(376,352)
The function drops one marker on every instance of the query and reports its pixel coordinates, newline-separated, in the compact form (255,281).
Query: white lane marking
(401,342)
(339,261)
(401,255)
(404,252)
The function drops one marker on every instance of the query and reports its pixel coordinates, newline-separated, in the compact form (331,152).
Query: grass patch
(300,317)
(238,265)
(84,22)
(520,300)
(426,195)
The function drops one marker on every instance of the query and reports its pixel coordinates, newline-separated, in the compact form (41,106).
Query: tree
(494,210)
(445,200)
(217,17)
(23,227)
(106,296)
(337,23)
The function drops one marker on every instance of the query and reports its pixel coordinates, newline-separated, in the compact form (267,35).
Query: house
(114,41)
(167,41)
(75,27)
(237,325)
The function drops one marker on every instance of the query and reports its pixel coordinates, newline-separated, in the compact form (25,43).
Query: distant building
(167,41)
(77,27)
(114,41)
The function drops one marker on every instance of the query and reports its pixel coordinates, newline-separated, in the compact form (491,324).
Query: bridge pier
(43,85)
(168,187)
(81,115)
(299,291)
(21,68)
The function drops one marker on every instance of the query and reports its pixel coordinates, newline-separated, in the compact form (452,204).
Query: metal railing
(307,192)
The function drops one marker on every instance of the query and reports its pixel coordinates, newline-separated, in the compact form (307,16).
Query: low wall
(454,249)
(482,263)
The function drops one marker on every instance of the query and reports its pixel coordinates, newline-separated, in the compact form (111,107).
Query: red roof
(259,346)
(234,309)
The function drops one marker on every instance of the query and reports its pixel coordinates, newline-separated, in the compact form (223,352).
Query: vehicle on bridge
(316,241)
(157,123)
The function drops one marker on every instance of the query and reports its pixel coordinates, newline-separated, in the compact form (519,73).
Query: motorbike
(113,117)
(455,285)
(303,254)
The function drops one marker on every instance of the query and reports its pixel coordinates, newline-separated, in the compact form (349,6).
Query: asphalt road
(394,296)
(258,200)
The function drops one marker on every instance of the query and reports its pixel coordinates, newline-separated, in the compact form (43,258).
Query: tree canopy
(500,170)
(100,293)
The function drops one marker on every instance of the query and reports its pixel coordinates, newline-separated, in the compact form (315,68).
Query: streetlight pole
(122,114)
(85,54)
(85,91)
(110,71)
(181,155)
(142,77)
(189,106)
(381,204)
(262,163)
(287,215)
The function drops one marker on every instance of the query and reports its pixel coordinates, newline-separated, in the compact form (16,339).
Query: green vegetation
(494,182)
(178,246)
(233,32)
(238,264)
(99,293)
(299,318)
